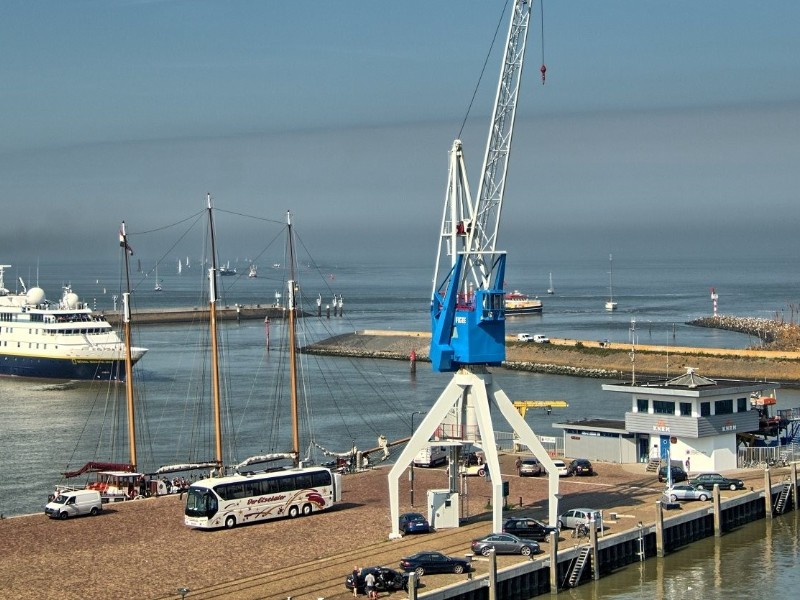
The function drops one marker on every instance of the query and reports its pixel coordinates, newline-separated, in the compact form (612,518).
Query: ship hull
(38,367)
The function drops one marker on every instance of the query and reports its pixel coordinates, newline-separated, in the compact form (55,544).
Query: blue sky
(665,124)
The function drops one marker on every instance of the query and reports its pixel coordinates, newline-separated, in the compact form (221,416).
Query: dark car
(580,466)
(433,562)
(414,523)
(529,528)
(505,543)
(386,579)
(706,481)
(678,474)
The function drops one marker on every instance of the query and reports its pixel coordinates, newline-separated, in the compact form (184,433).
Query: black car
(386,579)
(706,481)
(580,466)
(505,543)
(529,528)
(678,474)
(433,562)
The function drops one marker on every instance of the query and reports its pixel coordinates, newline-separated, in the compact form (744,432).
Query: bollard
(717,512)
(768,494)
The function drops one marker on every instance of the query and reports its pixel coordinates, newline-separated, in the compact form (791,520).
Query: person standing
(356,572)
(369,585)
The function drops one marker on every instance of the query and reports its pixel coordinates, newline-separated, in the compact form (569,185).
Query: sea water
(49,427)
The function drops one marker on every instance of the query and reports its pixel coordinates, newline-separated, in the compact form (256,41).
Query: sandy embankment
(585,358)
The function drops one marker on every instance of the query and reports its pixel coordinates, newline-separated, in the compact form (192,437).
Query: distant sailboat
(157,287)
(610,304)
(180,267)
(551,290)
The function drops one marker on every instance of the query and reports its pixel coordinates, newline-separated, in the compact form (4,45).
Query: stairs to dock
(578,566)
(653,465)
(783,497)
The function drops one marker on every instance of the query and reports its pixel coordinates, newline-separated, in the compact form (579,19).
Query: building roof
(603,425)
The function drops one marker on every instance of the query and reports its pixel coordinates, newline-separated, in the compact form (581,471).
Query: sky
(662,126)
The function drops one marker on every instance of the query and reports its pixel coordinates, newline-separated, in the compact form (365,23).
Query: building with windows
(690,420)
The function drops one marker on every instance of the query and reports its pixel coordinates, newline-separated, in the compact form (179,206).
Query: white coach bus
(229,501)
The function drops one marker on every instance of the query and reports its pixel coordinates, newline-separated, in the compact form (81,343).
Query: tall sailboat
(610,304)
(551,290)
(114,480)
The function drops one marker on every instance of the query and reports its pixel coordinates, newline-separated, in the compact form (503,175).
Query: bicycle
(581,530)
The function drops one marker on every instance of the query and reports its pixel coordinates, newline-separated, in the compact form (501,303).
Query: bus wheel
(293,512)
(306,510)
(230,522)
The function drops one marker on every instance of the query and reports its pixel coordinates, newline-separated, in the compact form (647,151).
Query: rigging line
(192,216)
(238,214)
(483,70)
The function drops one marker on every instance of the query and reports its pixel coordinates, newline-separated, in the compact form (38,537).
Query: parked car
(561,467)
(413,522)
(524,337)
(529,528)
(529,467)
(505,543)
(580,466)
(433,562)
(678,474)
(541,339)
(571,518)
(685,491)
(706,481)
(386,580)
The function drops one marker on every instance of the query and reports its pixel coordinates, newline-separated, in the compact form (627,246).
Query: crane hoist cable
(543,68)
(483,70)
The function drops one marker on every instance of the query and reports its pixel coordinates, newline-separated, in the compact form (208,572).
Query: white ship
(63,340)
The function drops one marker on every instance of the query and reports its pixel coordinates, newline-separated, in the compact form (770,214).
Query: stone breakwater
(771,333)
(583,358)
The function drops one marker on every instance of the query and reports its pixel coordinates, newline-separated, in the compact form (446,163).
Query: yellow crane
(523,405)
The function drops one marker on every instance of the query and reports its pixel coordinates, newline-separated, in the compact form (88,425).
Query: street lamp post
(411,471)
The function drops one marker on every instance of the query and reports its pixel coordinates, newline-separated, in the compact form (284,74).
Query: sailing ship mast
(292,305)
(212,311)
(126,318)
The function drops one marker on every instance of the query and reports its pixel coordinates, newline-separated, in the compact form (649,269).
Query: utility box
(443,509)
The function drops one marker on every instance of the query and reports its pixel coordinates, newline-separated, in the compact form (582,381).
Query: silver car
(571,518)
(684,491)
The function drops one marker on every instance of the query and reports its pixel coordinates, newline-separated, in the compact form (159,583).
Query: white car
(561,467)
(541,339)
(685,491)
(571,518)
(525,337)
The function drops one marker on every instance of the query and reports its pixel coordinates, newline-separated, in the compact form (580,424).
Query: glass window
(723,407)
(705,409)
(742,405)
(642,405)
(662,407)
(686,409)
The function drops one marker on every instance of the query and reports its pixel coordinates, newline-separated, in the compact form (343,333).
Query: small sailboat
(551,290)
(253,272)
(610,304)
(180,267)
(157,287)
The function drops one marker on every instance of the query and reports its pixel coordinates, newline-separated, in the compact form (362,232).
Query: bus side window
(321,478)
(303,481)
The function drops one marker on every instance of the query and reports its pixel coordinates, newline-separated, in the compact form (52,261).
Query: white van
(72,504)
(431,456)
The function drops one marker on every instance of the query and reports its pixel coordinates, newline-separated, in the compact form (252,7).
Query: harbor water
(758,560)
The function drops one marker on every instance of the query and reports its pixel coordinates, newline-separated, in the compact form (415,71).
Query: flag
(123,240)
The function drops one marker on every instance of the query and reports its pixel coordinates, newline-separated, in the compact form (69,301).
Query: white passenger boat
(518,303)
(62,340)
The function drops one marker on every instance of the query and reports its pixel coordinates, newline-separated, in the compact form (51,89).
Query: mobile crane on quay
(468,313)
